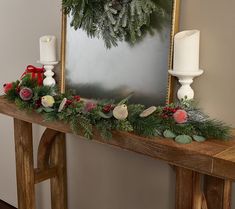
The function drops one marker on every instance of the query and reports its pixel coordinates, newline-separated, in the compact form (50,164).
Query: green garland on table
(181,121)
(116,20)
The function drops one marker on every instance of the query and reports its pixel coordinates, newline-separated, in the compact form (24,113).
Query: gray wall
(103,177)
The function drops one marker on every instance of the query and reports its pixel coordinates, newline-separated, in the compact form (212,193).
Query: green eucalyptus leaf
(183,139)
(48,109)
(39,110)
(168,134)
(107,116)
(125,100)
(199,138)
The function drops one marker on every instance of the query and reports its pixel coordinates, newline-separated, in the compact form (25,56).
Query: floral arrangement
(182,121)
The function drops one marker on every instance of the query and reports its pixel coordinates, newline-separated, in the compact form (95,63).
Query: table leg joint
(41,175)
(44,149)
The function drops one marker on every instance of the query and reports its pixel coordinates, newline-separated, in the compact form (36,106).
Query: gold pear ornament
(120,112)
(48,101)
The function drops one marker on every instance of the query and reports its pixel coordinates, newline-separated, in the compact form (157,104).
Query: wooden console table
(212,160)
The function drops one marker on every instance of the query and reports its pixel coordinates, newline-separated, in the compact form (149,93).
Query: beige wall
(216,21)
(215,89)
(103,177)
(21,25)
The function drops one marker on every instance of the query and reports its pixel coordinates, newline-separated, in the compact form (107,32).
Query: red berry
(18,89)
(164,116)
(38,103)
(174,110)
(77,98)
(68,102)
(7,87)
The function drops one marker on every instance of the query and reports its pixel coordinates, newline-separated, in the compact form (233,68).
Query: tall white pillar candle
(186,51)
(47,49)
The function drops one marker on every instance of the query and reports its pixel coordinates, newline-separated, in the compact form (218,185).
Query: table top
(212,157)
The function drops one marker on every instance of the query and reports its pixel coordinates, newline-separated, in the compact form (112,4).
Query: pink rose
(180,116)
(90,106)
(26,94)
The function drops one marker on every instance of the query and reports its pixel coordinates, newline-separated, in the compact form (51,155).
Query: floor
(4,205)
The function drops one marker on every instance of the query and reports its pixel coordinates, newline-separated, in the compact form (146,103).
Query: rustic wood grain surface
(213,157)
(24,164)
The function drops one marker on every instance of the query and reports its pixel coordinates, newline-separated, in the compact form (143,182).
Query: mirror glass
(93,71)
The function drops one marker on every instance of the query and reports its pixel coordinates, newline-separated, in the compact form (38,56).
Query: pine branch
(162,122)
(123,125)
(81,125)
(212,129)
(105,128)
(12,94)
(146,126)
(115,21)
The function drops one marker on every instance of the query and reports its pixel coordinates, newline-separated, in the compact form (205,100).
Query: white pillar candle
(186,51)
(47,49)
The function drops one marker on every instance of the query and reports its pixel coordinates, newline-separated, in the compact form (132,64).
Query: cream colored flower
(48,101)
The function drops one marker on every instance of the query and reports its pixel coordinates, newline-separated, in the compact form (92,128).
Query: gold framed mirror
(92,71)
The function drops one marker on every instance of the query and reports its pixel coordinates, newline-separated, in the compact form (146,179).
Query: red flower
(26,94)
(107,108)
(7,87)
(180,116)
(90,106)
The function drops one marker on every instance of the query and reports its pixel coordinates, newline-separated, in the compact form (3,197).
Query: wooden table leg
(184,185)
(217,192)
(197,191)
(189,194)
(24,164)
(59,182)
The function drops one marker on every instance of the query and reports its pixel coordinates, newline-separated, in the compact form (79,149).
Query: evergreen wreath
(116,20)
(182,121)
